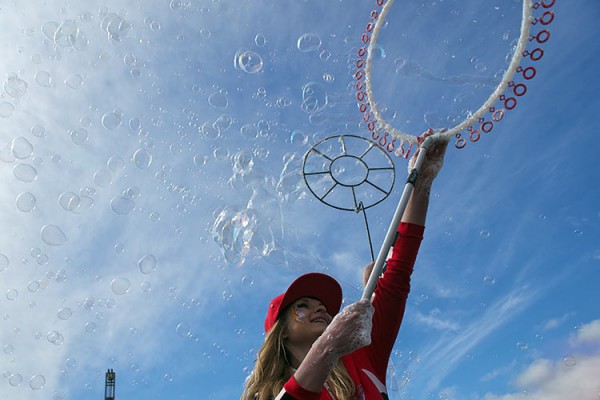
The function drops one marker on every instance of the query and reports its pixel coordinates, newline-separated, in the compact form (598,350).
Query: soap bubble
(12,294)
(6,109)
(74,81)
(79,136)
(44,79)
(112,120)
(120,286)
(183,329)
(26,202)
(248,61)
(122,205)
(55,337)
(147,264)
(15,86)
(142,158)
(64,313)
(4,262)
(308,42)
(21,148)
(15,379)
(52,235)
(260,40)
(218,100)
(25,172)
(314,98)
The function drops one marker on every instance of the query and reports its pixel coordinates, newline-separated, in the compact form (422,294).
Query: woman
(309,355)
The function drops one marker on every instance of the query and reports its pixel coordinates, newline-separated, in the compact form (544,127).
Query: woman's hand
(350,330)
(434,159)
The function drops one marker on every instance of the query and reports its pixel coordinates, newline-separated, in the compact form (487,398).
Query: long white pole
(390,237)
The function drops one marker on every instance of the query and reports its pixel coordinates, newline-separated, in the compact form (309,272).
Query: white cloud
(575,376)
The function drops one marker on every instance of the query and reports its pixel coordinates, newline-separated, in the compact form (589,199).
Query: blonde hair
(272,370)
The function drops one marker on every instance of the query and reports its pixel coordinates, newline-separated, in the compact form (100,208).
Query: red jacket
(368,366)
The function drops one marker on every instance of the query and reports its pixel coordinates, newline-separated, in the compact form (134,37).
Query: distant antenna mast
(109,387)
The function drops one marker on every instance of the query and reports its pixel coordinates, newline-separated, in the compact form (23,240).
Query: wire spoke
(321,154)
(376,187)
(329,191)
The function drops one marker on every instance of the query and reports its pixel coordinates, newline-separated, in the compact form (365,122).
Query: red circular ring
(370,27)
(360,85)
(366,117)
(520,89)
(362,107)
(359,75)
(360,63)
(460,143)
(550,18)
(360,96)
(536,54)
(510,103)
(497,115)
(375,135)
(380,2)
(392,146)
(548,5)
(487,126)
(362,51)
(365,38)
(474,136)
(542,36)
(371,126)
(529,73)
(374,14)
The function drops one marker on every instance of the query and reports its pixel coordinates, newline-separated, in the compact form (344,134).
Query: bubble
(26,202)
(183,329)
(327,77)
(154,216)
(55,338)
(74,81)
(21,148)
(569,361)
(260,40)
(308,42)
(147,264)
(44,79)
(249,131)
(52,235)
(116,27)
(522,346)
(79,136)
(115,164)
(38,131)
(12,294)
(218,100)
(247,280)
(324,55)
(90,327)
(146,287)
(68,34)
(484,234)
(222,123)
(221,153)
(120,286)
(142,158)
(4,262)
(64,313)
(490,280)
(15,379)
(119,248)
(298,138)
(33,286)
(248,61)
(8,349)
(102,178)
(314,98)
(227,295)
(25,172)
(69,201)
(112,120)
(6,109)
(122,205)
(15,86)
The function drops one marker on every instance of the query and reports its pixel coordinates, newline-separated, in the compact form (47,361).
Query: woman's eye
(301,305)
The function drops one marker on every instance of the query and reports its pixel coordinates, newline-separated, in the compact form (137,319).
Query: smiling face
(305,321)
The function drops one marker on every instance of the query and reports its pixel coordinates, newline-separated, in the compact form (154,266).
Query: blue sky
(130,139)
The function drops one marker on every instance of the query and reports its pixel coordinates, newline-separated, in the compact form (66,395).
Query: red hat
(320,286)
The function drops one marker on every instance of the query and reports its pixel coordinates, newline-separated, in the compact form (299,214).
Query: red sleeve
(391,294)
(297,392)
